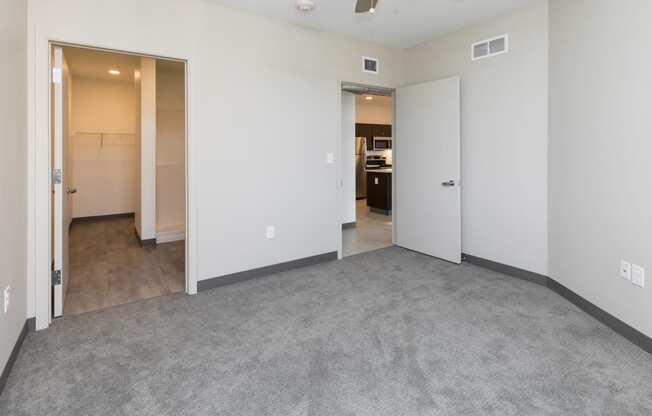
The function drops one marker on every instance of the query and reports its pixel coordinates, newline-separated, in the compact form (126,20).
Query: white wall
(380,110)
(257,89)
(347,159)
(104,165)
(146,208)
(504,134)
(600,145)
(377,111)
(13,171)
(170,151)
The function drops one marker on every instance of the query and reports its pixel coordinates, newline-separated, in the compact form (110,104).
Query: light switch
(330,158)
(625,270)
(270,232)
(638,275)
(376,180)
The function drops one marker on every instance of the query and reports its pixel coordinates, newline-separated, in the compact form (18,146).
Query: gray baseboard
(349,225)
(148,243)
(103,217)
(264,271)
(632,334)
(508,270)
(14,354)
(635,336)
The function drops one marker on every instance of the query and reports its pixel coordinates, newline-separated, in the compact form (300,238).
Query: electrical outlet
(625,270)
(6,297)
(638,275)
(270,232)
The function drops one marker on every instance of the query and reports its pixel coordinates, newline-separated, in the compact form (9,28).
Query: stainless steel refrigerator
(360,166)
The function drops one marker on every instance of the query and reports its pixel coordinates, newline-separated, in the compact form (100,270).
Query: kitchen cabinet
(373,130)
(381,130)
(379,191)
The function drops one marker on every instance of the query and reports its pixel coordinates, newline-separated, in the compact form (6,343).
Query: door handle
(70,190)
(448,183)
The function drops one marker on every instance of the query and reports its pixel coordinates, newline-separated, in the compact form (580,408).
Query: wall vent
(490,47)
(369,65)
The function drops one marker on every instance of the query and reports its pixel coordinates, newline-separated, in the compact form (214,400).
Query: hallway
(109,267)
(372,231)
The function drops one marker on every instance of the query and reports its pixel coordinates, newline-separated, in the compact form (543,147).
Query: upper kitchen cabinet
(373,130)
(382,130)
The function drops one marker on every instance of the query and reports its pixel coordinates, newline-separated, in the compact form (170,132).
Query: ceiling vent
(369,65)
(490,47)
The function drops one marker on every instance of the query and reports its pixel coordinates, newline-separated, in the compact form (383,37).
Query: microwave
(382,143)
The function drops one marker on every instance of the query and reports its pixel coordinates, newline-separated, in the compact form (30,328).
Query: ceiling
(90,63)
(399,23)
(379,100)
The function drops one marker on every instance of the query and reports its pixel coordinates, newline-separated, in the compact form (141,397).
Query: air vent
(490,47)
(369,65)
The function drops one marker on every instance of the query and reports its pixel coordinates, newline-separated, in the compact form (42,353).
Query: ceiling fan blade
(363,6)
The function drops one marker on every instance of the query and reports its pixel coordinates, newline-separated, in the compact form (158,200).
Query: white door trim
(39,171)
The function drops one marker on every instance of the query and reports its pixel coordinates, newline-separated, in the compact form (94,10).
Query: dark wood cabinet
(373,130)
(382,130)
(379,191)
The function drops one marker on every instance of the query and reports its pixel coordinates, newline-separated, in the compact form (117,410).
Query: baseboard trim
(103,217)
(508,270)
(169,236)
(349,225)
(14,354)
(633,335)
(150,242)
(229,279)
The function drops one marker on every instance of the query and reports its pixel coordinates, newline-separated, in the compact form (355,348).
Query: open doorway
(119,178)
(367,168)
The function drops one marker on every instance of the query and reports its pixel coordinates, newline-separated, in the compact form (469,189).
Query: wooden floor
(109,267)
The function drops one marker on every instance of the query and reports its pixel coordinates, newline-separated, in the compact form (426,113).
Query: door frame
(338,158)
(39,227)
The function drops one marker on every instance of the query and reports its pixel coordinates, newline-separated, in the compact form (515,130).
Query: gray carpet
(388,332)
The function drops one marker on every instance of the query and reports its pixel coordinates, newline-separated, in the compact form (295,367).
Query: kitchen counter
(384,170)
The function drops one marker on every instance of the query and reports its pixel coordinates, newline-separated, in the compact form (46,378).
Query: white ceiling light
(305,6)
(114,72)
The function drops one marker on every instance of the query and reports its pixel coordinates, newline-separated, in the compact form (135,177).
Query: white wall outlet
(638,275)
(330,158)
(270,232)
(6,297)
(625,270)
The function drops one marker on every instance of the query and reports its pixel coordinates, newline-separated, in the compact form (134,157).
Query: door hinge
(56,277)
(56,176)
(56,75)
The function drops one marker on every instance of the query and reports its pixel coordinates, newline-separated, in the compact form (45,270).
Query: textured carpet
(388,332)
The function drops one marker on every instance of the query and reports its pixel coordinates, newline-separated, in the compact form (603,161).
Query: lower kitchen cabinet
(379,191)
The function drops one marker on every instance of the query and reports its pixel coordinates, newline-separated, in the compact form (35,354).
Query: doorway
(118,124)
(412,169)
(367,167)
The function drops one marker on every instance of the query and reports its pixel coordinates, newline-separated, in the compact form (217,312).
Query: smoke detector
(305,6)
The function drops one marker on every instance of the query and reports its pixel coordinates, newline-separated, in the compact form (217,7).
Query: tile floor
(372,232)
(109,267)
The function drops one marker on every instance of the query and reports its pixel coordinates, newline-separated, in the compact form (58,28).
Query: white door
(427,159)
(61,179)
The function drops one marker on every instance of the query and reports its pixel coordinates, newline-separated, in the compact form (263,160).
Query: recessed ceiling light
(305,6)
(114,72)
(369,97)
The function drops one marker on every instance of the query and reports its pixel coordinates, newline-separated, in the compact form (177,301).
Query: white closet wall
(103,147)
(170,151)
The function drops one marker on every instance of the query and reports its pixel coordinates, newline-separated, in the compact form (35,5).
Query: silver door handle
(70,190)
(448,183)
